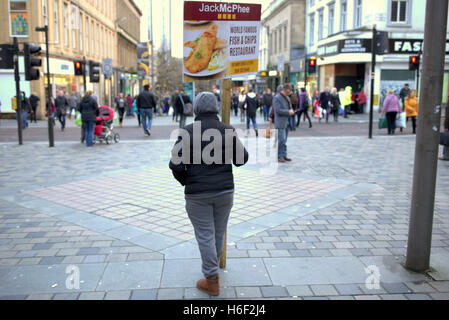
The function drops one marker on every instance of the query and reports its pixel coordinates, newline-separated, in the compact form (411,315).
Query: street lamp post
(51,120)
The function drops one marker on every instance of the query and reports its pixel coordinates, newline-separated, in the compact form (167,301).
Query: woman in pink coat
(391,109)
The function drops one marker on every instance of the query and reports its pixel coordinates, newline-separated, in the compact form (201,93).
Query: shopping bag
(401,120)
(115,117)
(78,120)
(383,123)
(341,111)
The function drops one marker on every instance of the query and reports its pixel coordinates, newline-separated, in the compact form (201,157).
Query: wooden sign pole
(226,118)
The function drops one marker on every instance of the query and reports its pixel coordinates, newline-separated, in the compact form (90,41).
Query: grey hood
(205,102)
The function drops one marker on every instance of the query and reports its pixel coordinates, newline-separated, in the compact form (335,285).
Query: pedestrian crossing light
(31,62)
(79,70)
(414,63)
(94,72)
(311,65)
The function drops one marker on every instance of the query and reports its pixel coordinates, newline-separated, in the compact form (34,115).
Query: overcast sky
(160,6)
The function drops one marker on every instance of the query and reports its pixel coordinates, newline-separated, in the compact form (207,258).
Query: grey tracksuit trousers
(209,216)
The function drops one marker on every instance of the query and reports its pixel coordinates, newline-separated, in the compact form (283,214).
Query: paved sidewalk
(310,231)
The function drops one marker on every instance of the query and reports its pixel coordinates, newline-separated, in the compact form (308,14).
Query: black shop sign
(345,46)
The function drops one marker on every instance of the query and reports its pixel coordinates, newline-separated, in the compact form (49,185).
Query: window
(66,28)
(343,15)
(312,30)
(45,12)
(81,35)
(98,40)
(285,38)
(92,37)
(275,41)
(74,27)
(280,40)
(56,26)
(320,24)
(399,11)
(87,35)
(331,21)
(358,13)
(18,16)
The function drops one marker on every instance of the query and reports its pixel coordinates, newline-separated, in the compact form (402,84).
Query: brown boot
(209,285)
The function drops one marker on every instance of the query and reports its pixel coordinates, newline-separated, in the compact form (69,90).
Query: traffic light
(94,71)
(413,63)
(79,67)
(311,65)
(30,61)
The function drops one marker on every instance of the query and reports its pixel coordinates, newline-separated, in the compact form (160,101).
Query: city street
(356,125)
(316,229)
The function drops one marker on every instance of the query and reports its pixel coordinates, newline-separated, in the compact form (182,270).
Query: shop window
(18,17)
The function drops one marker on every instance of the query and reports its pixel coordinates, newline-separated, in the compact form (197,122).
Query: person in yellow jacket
(411,108)
(347,101)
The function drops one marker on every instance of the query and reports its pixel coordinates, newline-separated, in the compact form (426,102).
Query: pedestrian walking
(181,100)
(34,102)
(445,156)
(391,109)
(304,107)
(61,105)
(235,104)
(129,105)
(175,112)
(404,93)
(361,99)
(411,109)
(137,111)
(73,104)
(251,106)
(347,101)
(267,102)
(89,111)
(294,98)
(335,104)
(120,107)
(25,110)
(325,101)
(282,111)
(209,188)
(146,102)
(242,99)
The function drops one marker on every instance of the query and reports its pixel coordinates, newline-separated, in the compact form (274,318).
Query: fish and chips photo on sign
(220,40)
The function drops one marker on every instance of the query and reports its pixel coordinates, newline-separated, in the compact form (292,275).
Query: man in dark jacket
(251,106)
(34,102)
(26,109)
(146,102)
(282,111)
(61,104)
(89,111)
(209,181)
(172,100)
(179,106)
(304,107)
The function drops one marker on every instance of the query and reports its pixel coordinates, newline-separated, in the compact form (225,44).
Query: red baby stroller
(104,129)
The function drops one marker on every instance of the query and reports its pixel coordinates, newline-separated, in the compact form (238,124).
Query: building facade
(77,29)
(339,33)
(283,23)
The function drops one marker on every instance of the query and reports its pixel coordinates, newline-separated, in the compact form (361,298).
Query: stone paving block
(258,253)
(285,246)
(155,241)
(88,251)
(225,293)
(66,296)
(91,296)
(94,259)
(440,296)
(131,275)
(391,270)
(370,297)
(170,294)
(393,297)
(73,259)
(303,271)
(348,289)
(279,253)
(420,287)
(13,297)
(29,261)
(45,296)
(324,290)
(145,256)
(118,295)
(299,291)
(194,293)
(248,292)
(26,254)
(300,253)
(144,294)
(51,260)
(418,297)
(125,232)
(341,298)
(274,292)
(441,286)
